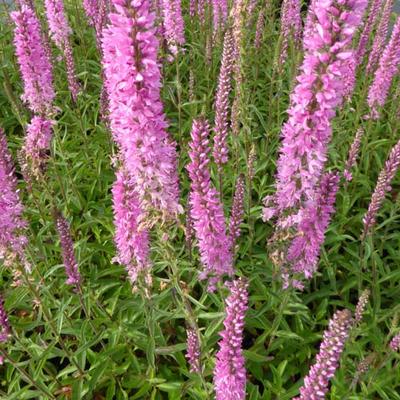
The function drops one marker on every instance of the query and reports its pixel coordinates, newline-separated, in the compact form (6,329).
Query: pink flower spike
(230,372)
(206,209)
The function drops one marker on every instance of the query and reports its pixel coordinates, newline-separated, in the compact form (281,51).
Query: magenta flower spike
(382,187)
(193,351)
(353,154)
(173,25)
(131,239)
(388,68)
(206,210)
(316,383)
(230,372)
(380,37)
(60,32)
(12,238)
(91,8)
(5,329)
(68,254)
(369,25)
(303,252)
(306,134)
(395,343)
(137,121)
(291,26)
(37,143)
(34,64)
(220,150)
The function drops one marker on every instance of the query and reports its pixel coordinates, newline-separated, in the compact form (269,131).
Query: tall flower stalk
(220,150)
(206,209)
(305,136)
(237,211)
(68,254)
(131,239)
(388,68)
(230,372)
(316,383)
(369,25)
(60,32)
(12,238)
(5,329)
(380,37)
(34,64)
(137,120)
(173,25)
(382,187)
(353,154)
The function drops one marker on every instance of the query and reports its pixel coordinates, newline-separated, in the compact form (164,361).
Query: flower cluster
(37,143)
(353,153)
(35,66)
(132,240)
(220,151)
(137,120)
(60,32)
(173,25)
(193,350)
(304,250)
(220,14)
(362,303)
(306,134)
(206,209)
(230,372)
(291,26)
(12,239)
(382,187)
(369,25)
(67,248)
(388,67)
(91,8)
(380,37)
(316,384)
(395,343)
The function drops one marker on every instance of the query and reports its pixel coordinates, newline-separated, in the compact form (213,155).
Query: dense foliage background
(111,343)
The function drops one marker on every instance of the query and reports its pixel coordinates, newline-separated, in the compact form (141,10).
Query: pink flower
(353,153)
(12,239)
(60,32)
(316,383)
(131,239)
(395,343)
(35,66)
(91,8)
(67,249)
(193,350)
(37,143)
(382,187)
(230,372)
(173,25)
(388,68)
(380,37)
(137,120)
(206,209)
(220,151)
(368,27)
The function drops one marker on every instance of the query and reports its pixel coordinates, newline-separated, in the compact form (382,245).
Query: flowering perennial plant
(230,372)
(206,209)
(67,247)
(137,120)
(382,187)
(12,239)
(131,239)
(316,383)
(220,151)
(34,64)
(388,67)
(380,37)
